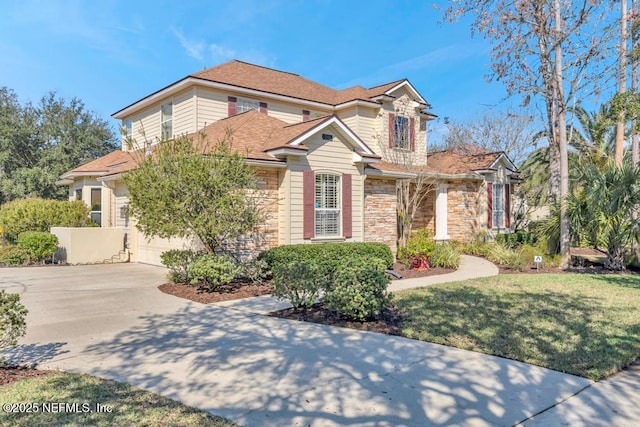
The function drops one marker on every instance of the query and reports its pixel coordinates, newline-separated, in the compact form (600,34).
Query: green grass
(130,406)
(587,325)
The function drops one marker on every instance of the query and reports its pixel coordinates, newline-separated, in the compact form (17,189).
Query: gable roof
(253,134)
(246,76)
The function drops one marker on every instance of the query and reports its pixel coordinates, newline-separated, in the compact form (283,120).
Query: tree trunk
(622,80)
(635,139)
(562,139)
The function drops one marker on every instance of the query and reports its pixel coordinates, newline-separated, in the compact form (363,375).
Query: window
(128,128)
(498,205)
(327,205)
(78,194)
(96,205)
(166,120)
(246,105)
(401,133)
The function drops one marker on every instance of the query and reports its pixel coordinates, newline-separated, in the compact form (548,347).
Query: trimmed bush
(12,319)
(299,282)
(327,255)
(23,215)
(445,255)
(38,244)
(13,255)
(358,290)
(420,244)
(212,270)
(178,262)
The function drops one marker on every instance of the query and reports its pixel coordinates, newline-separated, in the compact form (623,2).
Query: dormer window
(166,120)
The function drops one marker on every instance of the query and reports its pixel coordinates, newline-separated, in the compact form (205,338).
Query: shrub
(502,255)
(13,255)
(446,255)
(476,248)
(517,238)
(38,244)
(327,255)
(420,243)
(12,319)
(23,215)
(256,270)
(178,262)
(212,270)
(299,282)
(358,290)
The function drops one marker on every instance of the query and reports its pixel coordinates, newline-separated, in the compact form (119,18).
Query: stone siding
(266,235)
(380,223)
(463,221)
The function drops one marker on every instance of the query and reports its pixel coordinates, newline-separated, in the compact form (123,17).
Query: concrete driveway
(111,321)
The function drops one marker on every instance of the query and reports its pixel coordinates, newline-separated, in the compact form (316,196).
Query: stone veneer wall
(266,236)
(380,211)
(425,216)
(464,202)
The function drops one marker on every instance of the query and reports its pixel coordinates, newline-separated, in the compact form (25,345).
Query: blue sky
(111,53)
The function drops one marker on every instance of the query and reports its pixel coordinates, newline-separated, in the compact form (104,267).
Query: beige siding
(284,203)
(145,126)
(350,118)
(211,106)
(290,113)
(324,156)
(183,119)
(121,195)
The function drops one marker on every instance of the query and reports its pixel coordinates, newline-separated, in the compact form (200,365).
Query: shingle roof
(252,135)
(454,162)
(105,163)
(250,76)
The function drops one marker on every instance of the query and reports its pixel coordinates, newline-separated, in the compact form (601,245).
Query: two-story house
(327,160)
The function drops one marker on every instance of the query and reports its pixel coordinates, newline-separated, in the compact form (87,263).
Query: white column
(441,212)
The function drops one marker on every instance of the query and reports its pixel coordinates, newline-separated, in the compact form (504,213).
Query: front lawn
(72,399)
(587,325)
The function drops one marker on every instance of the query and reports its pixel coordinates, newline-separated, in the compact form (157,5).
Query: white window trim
(101,211)
(320,234)
(498,202)
(246,104)
(166,121)
(407,140)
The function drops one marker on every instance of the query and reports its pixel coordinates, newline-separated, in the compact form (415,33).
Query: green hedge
(327,255)
(23,215)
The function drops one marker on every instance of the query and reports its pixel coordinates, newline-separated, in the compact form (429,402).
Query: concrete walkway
(111,321)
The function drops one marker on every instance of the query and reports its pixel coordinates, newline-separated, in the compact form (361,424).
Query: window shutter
(263,107)
(507,205)
(308,204)
(347,211)
(231,106)
(392,130)
(412,134)
(305,115)
(490,205)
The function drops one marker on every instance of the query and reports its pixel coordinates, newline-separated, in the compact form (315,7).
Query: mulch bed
(412,274)
(235,290)
(9,374)
(389,321)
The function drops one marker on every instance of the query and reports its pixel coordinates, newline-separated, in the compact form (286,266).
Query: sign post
(537,259)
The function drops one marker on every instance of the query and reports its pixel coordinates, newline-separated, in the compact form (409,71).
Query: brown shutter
(392,130)
(231,106)
(347,213)
(305,115)
(308,204)
(412,134)
(263,107)
(507,205)
(490,205)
